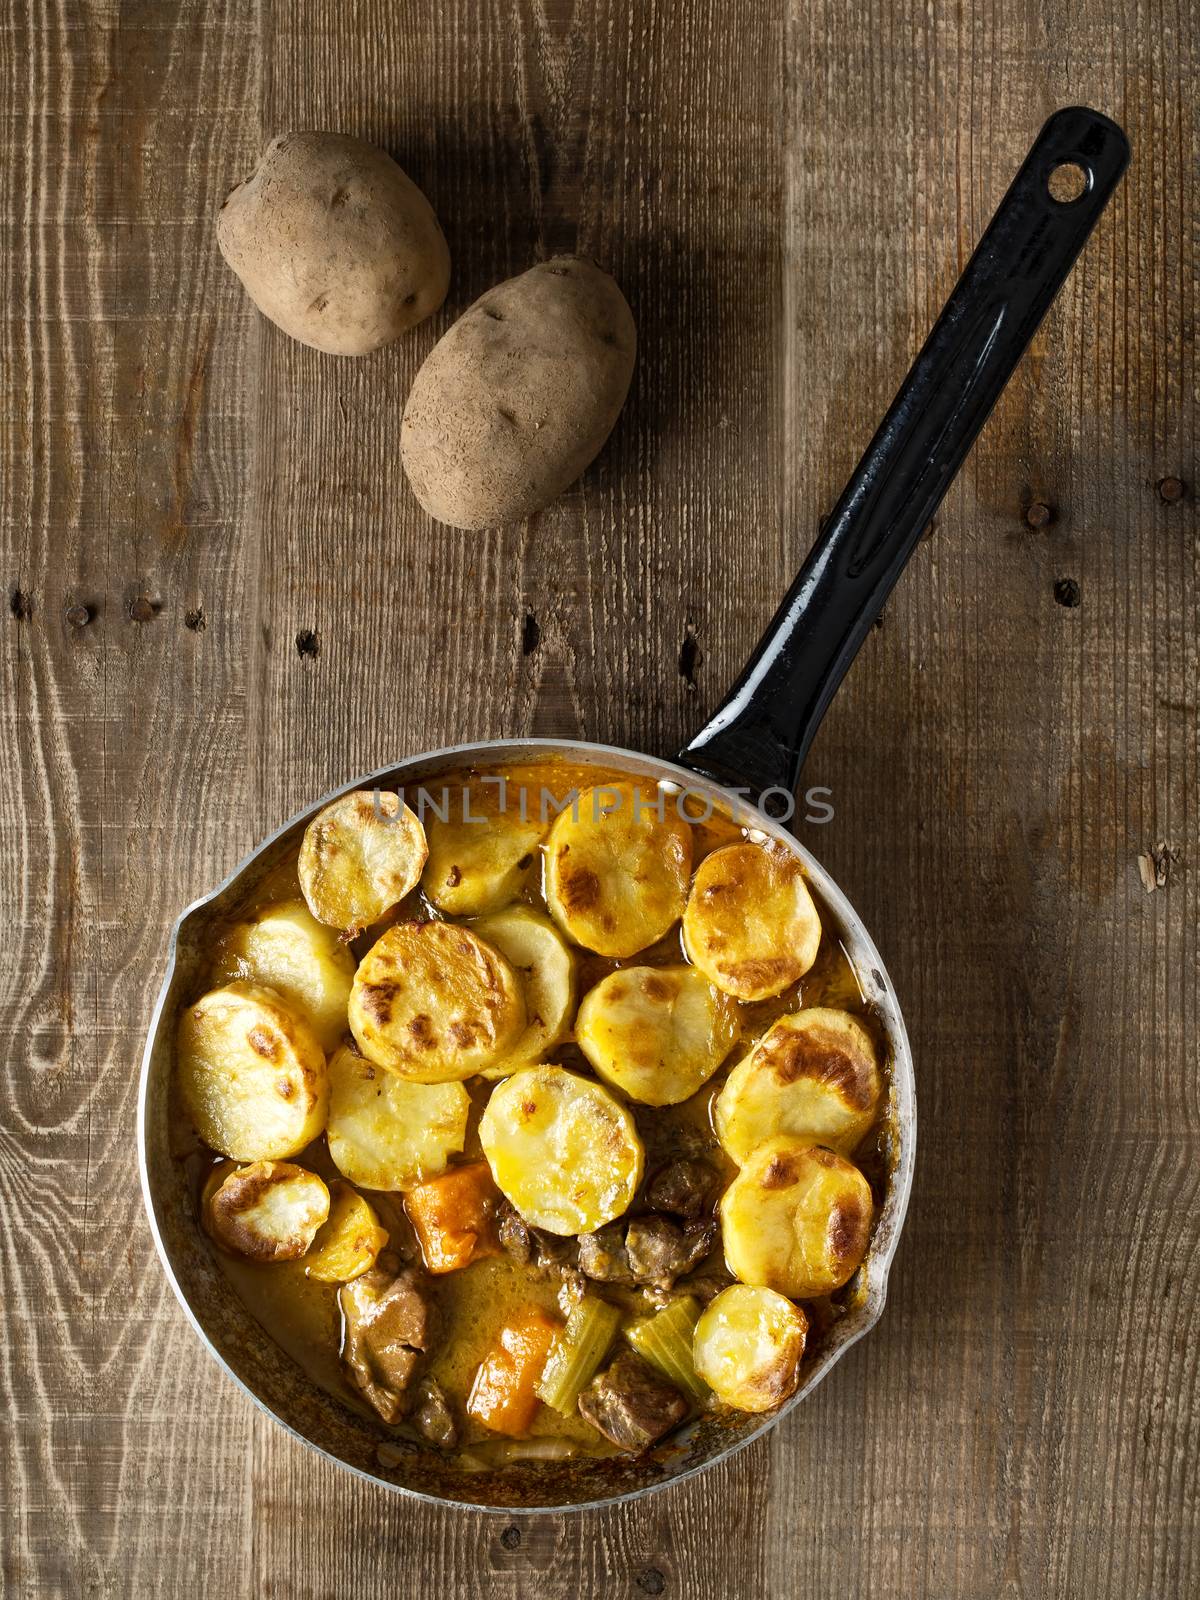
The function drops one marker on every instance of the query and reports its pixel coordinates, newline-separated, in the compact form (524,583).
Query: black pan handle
(762,732)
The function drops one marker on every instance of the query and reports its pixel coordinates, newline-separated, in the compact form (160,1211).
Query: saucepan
(751,748)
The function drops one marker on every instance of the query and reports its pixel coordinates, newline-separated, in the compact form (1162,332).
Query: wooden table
(786,199)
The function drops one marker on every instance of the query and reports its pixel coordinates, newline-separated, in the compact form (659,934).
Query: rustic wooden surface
(786,197)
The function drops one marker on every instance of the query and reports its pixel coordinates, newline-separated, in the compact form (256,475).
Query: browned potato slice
(546,969)
(284,947)
(797,1218)
(561,1149)
(617,866)
(360,856)
(387,1133)
(750,924)
(813,1075)
(747,1347)
(480,861)
(268,1211)
(251,1074)
(349,1241)
(435,1002)
(656,1033)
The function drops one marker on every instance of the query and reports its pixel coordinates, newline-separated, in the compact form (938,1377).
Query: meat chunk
(631,1404)
(659,1250)
(602,1255)
(390,1324)
(681,1188)
(554,1252)
(549,1252)
(513,1233)
(702,1286)
(433,1418)
(647,1250)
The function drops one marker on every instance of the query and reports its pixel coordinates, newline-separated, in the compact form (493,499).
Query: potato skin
(517,399)
(335,243)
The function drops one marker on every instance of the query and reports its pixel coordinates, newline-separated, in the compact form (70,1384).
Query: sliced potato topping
(750,923)
(545,966)
(797,1218)
(251,1073)
(360,856)
(656,1033)
(268,1211)
(484,853)
(387,1133)
(748,1345)
(285,947)
(617,866)
(435,1002)
(349,1241)
(561,1149)
(813,1075)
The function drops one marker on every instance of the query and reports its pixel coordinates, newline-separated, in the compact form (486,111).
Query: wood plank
(122,440)
(786,196)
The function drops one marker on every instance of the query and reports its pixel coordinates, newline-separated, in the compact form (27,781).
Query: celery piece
(577,1352)
(665,1341)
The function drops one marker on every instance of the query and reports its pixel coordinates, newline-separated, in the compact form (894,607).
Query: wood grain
(786,195)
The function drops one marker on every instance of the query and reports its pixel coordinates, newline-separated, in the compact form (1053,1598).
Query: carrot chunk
(454,1217)
(504,1394)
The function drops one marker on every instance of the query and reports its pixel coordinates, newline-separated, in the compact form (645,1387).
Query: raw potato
(284,947)
(519,396)
(479,866)
(251,1073)
(616,869)
(748,1345)
(750,924)
(387,1133)
(334,243)
(268,1211)
(656,1033)
(349,1241)
(813,1075)
(562,1150)
(360,856)
(797,1218)
(546,969)
(435,1002)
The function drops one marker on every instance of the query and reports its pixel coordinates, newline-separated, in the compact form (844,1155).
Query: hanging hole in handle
(1068,182)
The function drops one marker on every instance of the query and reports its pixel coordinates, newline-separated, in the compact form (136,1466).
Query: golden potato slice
(562,1149)
(349,1241)
(656,1033)
(435,1002)
(387,1133)
(617,866)
(797,1218)
(484,854)
(268,1211)
(360,855)
(251,1073)
(748,1345)
(750,923)
(546,968)
(813,1075)
(285,947)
